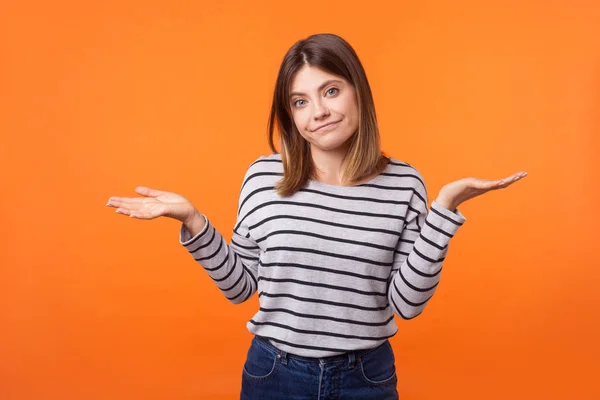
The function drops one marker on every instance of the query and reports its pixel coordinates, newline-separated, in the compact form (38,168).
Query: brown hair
(334,55)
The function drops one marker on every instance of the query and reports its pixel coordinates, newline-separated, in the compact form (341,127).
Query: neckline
(341,187)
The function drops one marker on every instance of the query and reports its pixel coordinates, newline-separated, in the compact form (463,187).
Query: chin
(330,145)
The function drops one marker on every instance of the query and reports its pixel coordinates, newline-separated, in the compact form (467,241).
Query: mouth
(326,127)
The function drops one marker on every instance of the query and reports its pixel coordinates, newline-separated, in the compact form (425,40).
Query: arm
(419,255)
(233,267)
(423,243)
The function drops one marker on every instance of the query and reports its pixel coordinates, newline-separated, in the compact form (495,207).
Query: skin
(317,98)
(319,103)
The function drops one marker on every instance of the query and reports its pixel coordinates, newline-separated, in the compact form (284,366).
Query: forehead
(310,78)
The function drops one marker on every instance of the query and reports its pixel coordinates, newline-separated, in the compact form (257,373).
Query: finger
(511,179)
(123,211)
(483,184)
(516,176)
(134,213)
(520,175)
(506,181)
(146,191)
(143,215)
(125,203)
(128,200)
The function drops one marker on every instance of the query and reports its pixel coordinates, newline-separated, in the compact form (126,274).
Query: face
(318,98)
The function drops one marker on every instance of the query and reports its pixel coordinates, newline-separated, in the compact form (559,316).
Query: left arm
(419,256)
(423,243)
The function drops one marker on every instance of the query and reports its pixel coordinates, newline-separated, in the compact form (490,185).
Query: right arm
(233,267)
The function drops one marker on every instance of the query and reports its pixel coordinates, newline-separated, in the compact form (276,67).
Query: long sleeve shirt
(331,264)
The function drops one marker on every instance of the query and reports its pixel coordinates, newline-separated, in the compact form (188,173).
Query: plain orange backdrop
(99,97)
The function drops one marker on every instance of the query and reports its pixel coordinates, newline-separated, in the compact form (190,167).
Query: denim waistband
(351,355)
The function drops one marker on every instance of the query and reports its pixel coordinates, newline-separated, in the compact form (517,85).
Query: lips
(326,125)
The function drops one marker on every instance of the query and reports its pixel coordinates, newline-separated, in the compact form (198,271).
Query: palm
(155,203)
(462,190)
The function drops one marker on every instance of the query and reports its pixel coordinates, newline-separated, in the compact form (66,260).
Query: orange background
(96,99)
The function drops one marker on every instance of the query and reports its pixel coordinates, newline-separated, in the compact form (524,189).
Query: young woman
(333,235)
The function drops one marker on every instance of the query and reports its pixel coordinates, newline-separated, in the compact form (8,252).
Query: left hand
(455,193)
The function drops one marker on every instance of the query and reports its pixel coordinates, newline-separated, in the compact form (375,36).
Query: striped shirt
(331,264)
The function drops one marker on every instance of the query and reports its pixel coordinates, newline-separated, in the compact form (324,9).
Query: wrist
(194,223)
(447,204)
(190,216)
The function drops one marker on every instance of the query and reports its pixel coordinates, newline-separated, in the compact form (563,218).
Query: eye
(335,91)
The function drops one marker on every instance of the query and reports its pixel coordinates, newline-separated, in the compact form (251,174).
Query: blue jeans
(272,374)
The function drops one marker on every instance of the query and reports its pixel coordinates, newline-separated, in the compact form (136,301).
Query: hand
(156,203)
(455,193)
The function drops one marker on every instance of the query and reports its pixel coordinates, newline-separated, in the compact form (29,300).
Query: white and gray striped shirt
(331,264)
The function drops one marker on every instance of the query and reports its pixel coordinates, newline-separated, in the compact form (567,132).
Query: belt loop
(282,356)
(351,359)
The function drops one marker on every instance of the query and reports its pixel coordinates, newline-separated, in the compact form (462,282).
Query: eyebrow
(327,82)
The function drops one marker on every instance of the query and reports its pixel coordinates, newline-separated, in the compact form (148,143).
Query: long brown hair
(334,55)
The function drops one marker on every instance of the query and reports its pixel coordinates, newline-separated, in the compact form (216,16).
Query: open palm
(154,204)
(456,193)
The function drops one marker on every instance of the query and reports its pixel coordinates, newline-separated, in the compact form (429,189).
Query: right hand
(154,204)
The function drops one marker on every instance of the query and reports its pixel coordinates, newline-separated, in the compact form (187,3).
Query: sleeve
(233,267)
(420,253)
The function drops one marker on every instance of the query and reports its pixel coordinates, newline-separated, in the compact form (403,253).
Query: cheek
(352,108)
(353,116)
(301,121)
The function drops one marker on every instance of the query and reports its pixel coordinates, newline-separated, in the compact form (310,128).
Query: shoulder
(408,174)
(264,170)
(264,161)
(404,169)
(265,164)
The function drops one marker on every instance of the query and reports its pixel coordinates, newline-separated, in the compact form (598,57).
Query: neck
(329,165)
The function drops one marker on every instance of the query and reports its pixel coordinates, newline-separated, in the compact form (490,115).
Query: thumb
(146,191)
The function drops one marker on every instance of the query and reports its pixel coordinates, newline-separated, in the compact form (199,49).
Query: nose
(320,110)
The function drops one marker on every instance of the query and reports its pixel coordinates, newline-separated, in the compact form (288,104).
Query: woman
(333,235)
